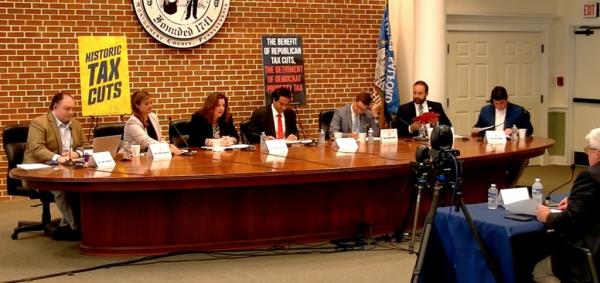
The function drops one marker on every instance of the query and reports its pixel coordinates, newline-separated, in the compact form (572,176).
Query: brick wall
(39,57)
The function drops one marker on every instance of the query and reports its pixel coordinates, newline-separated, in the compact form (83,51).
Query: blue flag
(385,69)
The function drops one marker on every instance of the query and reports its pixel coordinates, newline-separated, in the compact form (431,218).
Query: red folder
(426,117)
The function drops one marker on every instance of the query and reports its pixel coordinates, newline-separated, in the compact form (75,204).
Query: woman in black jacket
(213,122)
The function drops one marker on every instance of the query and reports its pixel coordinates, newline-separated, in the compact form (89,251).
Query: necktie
(356,124)
(279,127)
(420,109)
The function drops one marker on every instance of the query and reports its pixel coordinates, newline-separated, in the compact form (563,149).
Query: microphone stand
(549,202)
(179,135)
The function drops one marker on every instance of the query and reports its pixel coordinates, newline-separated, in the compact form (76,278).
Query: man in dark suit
(408,111)
(276,120)
(578,224)
(501,115)
(51,138)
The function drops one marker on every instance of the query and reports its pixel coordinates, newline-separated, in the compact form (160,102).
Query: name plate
(388,135)
(495,137)
(278,147)
(346,144)
(102,160)
(159,151)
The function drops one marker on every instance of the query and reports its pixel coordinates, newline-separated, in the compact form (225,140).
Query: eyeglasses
(589,149)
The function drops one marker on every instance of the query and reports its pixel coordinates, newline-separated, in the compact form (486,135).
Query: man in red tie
(276,120)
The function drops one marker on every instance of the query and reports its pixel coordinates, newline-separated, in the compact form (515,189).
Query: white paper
(102,160)
(298,142)
(513,195)
(346,144)
(388,135)
(495,137)
(527,206)
(32,166)
(159,151)
(235,146)
(278,147)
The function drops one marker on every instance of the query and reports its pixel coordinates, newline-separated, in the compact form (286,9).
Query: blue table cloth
(463,254)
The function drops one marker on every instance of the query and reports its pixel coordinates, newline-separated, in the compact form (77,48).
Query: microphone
(552,203)
(187,146)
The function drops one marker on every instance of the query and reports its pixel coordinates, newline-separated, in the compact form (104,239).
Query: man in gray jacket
(355,118)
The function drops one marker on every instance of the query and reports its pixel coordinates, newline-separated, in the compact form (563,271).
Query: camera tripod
(443,182)
(421,183)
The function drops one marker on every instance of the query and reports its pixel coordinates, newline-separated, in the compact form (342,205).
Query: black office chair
(109,129)
(325,117)
(179,132)
(589,259)
(15,142)
(245,131)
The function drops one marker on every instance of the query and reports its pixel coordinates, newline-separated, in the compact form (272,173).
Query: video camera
(440,159)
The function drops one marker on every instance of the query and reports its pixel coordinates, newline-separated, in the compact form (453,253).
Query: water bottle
(126,150)
(514,133)
(537,191)
(322,137)
(492,197)
(370,135)
(423,131)
(263,141)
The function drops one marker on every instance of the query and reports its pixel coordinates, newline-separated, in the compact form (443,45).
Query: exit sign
(590,10)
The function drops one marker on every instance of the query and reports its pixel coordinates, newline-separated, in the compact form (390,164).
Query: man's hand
(174,149)
(542,213)
(415,126)
(508,132)
(291,138)
(354,135)
(63,160)
(563,204)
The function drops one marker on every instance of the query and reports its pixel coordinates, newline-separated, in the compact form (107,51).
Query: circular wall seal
(181,23)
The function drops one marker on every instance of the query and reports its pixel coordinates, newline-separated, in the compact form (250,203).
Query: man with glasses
(51,139)
(578,224)
(420,105)
(355,118)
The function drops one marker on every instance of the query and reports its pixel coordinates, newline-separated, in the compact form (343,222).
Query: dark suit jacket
(201,129)
(580,225)
(515,115)
(43,140)
(262,121)
(407,112)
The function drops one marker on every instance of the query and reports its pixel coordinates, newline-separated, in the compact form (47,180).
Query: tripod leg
(411,245)
(482,248)
(426,235)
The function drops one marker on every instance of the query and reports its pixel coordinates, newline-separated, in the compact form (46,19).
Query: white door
(478,61)
(586,86)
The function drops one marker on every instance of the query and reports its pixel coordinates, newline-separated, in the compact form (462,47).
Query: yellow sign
(104,75)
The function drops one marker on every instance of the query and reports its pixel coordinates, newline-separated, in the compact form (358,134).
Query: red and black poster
(283,66)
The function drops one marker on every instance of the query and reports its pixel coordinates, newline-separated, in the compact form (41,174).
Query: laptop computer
(108,143)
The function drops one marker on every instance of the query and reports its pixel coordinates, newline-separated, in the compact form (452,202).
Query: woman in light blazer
(143,127)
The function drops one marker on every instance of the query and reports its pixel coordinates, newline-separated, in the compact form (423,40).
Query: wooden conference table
(240,199)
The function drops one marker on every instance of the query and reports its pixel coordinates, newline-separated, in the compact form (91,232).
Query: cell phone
(518,217)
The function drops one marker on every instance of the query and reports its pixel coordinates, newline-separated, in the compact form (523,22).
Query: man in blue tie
(52,138)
